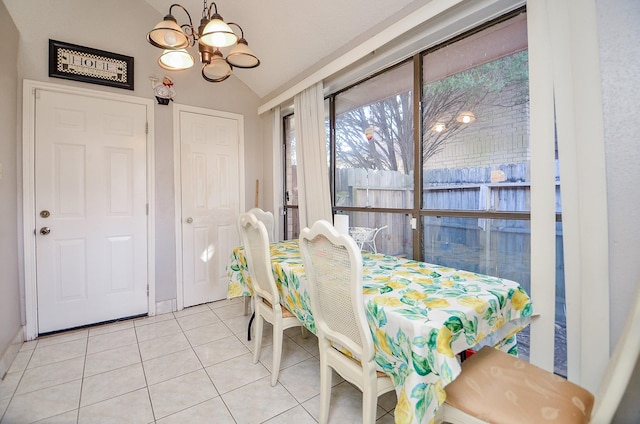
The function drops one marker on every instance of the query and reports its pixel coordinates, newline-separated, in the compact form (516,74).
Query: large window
(475,153)
(469,128)
(291,222)
(374,157)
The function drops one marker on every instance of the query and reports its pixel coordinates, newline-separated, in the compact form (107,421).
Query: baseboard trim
(11,352)
(166,306)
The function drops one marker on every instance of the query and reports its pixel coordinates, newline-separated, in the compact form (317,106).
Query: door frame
(177,167)
(29,88)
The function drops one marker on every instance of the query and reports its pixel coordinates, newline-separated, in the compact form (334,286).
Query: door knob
(189,220)
(45,230)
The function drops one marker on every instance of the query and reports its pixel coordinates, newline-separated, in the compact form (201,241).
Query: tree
(391,147)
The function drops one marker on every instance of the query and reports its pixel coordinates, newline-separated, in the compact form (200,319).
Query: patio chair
(499,388)
(365,237)
(333,266)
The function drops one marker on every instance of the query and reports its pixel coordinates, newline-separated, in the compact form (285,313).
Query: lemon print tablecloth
(421,315)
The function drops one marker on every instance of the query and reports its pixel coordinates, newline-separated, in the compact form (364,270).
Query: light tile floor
(192,366)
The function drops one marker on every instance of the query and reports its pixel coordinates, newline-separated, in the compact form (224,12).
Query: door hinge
(147,290)
(147,206)
(146,128)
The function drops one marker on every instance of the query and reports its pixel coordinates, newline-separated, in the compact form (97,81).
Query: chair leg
(258,335)
(247,303)
(325,392)
(277,353)
(369,405)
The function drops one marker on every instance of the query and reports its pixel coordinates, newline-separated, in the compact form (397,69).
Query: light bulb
(170,38)
(439,127)
(175,60)
(218,39)
(466,117)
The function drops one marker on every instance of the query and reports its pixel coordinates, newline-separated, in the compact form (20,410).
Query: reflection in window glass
(497,247)
(374,142)
(476,122)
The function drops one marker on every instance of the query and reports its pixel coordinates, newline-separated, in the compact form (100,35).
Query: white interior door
(211,187)
(91,210)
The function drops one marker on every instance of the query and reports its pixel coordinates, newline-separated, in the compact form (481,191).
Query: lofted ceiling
(291,36)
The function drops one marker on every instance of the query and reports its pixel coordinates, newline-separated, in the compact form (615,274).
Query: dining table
(421,317)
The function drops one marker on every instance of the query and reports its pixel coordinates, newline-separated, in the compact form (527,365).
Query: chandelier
(212,35)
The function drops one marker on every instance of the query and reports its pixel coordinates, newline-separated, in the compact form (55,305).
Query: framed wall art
(78,63)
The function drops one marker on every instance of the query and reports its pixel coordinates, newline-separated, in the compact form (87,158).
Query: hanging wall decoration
(163,89)
(78,63)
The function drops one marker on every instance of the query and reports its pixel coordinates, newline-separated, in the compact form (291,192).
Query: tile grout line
(146,381)
(230,322)
(84,368)
(205,370)
(23,371)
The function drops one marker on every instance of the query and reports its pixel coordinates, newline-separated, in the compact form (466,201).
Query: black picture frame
(79,63)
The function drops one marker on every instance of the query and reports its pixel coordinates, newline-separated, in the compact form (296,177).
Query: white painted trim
(28,191)
(28,208)
(151,201)
(177,108)
(166,306)
(10,353)
(177,204)
(542,147)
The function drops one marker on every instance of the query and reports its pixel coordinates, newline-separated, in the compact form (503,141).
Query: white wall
(10,317)
(619,33)
(120,26)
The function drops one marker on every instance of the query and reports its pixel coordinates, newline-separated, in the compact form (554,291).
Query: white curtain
(314,200)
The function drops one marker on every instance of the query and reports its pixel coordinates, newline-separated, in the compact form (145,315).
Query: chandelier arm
(188,29)
(215,12)
(241,31)
(185,11)
(191,34)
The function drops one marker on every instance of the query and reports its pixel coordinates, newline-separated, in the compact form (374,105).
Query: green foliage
(391,147)
(490,77)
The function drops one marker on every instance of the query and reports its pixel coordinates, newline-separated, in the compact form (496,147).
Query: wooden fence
(497,247)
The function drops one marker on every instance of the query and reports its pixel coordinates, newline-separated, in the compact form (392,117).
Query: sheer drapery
(314,200)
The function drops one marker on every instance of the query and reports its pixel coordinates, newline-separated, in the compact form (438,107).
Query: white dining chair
(333,267)
(266,299)
(495,387)
(267,218)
